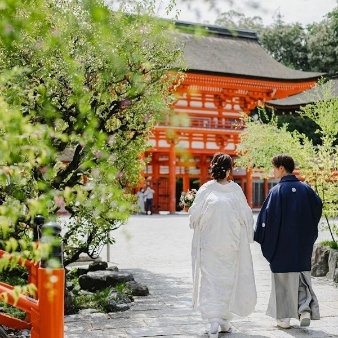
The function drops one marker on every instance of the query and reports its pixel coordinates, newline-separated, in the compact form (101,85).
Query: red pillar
(186,181)
(249,186)
(172,178)
(155,167)
(51,303)
(155,179)
(203,169)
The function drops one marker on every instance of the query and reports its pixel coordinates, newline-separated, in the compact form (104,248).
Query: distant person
(223,275)
(140,201)
(287,228)
(149,195)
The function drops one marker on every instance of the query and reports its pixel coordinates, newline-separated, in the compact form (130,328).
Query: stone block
(332,264)
(320,259)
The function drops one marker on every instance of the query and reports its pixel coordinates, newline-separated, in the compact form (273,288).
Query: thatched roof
(235,53)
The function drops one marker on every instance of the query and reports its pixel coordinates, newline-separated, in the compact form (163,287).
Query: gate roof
(214,49)
(326,91)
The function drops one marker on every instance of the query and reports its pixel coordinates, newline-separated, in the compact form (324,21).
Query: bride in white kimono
(222,268)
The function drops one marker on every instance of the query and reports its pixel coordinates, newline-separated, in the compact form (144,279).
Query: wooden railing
(45,312)
(206,123)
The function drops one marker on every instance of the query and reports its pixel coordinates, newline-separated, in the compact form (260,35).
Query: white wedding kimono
(222,268)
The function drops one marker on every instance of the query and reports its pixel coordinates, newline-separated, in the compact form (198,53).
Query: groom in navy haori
(286,229)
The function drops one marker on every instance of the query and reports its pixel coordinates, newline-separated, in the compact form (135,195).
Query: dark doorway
(194,183)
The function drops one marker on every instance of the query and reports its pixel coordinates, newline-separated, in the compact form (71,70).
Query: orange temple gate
(228,75)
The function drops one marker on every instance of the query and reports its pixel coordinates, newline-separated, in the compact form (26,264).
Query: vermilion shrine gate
(228,73)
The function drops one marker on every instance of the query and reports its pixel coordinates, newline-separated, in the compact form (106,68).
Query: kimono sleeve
(259,234)
(195,211)
(316,210)
(268,224)
(246,215)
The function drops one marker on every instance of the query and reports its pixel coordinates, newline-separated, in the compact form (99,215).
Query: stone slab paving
(156,250)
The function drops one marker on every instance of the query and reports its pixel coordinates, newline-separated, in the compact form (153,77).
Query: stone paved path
(156,250)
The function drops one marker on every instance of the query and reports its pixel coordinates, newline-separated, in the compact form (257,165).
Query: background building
(228,73)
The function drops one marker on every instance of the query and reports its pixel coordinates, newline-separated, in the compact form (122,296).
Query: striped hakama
(292,294)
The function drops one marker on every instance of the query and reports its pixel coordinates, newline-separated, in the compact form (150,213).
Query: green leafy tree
(302,124)
(292,120)
(234,19)
(264,138)
(316,165)
(310,48)
(322,169)
(76,76)
(286,43)
(322,44)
